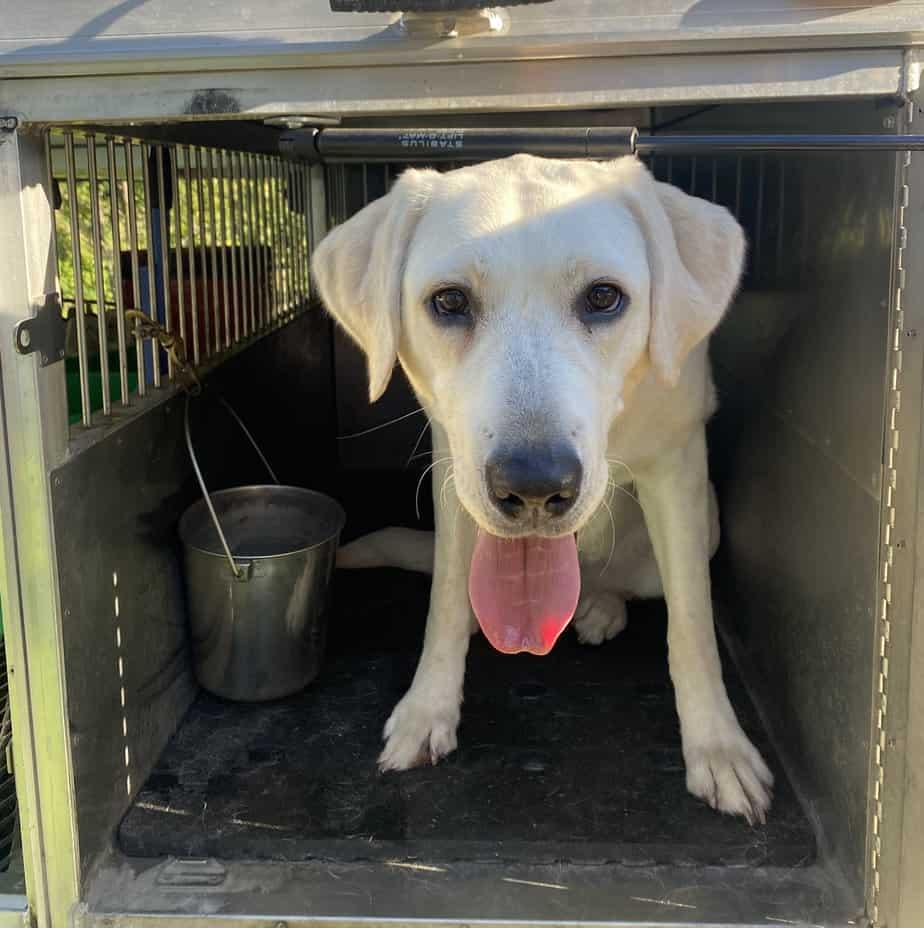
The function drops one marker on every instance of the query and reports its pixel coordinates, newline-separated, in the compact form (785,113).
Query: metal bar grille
(148,201)
(752,186)
(212,244)
(131,196)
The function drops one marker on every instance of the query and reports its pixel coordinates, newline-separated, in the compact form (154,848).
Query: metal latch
(44,333)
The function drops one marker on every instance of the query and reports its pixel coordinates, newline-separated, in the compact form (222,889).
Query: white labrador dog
(552,318)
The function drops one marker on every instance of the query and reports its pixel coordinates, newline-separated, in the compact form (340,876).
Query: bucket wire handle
(235,567)
(173,345)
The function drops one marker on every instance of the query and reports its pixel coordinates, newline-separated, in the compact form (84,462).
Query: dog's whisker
(450,475)
(614,486)
(427,470)
(622,464)
(613,539)
(414,454)
(381,425)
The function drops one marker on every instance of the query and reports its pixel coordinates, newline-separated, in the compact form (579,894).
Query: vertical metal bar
(738,187)
(265,254)
(304,213)
(286,219)
(279,288)
(759,218)
(715,179)
(258,258)
(301,171)
(291,229)
(272,190)
(365,185)
(291,296)
(237,224)
(235,251)
(670,169)
(222,206)
(307,248)
(387,177)
(191,255)
(309,223)
(292,200)
(213,249)
(178,245)
(272,256)
(98,275)
(241,230)
(164,260)
(203,258)
(779,219)
(146,151)
(693,176)
(136,264)
(79,307)
(246,203)
(114,217)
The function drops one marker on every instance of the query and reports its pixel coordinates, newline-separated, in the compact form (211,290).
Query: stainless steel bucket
(258,562)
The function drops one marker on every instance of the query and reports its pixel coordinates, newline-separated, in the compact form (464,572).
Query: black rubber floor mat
(572,757)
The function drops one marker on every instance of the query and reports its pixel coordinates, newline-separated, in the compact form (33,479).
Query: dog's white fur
(526,236)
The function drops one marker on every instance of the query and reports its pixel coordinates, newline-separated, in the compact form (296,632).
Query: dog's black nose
(539,479)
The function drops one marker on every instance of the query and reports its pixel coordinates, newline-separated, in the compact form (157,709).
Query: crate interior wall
(802,365)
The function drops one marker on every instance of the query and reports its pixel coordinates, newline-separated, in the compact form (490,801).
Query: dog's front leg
(423,725)
(723,767)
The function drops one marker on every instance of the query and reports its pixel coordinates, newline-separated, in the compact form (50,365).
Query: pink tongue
(524,590)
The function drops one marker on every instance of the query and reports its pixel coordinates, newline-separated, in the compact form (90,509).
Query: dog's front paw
(727,771)
(418,732)
(600,619)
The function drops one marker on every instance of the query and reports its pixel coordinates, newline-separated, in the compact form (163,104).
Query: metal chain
(172,344)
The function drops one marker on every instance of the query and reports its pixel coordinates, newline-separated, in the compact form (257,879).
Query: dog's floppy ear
(358,268)
(696,254)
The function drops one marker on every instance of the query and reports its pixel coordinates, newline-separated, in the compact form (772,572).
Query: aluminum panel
(215,894)
(116,505)
(797,451)
(33,429)
(901,812)
(92,35)
(460,87)
(796,587)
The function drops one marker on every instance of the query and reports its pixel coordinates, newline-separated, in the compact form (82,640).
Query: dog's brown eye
(605,299)
(450,302)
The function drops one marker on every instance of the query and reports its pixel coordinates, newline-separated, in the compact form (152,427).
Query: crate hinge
(44,333)
(8,125)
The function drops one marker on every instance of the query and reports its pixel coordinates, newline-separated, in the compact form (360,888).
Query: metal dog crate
(148,162)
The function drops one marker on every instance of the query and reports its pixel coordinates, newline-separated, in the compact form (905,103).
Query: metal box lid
(173,59)
(47,37)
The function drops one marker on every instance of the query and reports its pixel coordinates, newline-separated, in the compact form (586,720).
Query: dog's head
(526,299)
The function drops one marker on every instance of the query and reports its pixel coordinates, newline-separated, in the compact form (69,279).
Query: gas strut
(338,145)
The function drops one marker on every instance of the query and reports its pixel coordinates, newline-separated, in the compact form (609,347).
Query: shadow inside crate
(573,757)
